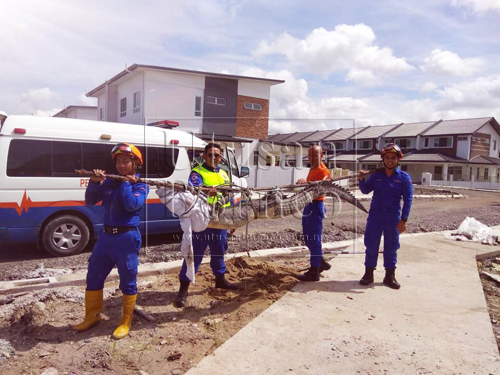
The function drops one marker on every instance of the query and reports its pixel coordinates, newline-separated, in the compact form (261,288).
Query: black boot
(325,266)
(222,283)
(367,278)
(390,279)
(311,275)
(180,300)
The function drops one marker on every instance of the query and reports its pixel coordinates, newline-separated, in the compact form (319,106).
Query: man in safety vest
(208,174)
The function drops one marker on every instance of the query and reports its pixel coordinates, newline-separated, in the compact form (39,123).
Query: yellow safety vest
(213,179)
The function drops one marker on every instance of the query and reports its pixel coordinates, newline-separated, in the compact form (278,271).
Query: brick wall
(480,144)
(251,123)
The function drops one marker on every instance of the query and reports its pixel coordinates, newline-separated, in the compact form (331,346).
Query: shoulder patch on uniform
(194,177)
(137,195)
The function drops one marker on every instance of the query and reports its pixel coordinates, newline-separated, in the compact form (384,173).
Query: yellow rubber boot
(126,320)
(93,308)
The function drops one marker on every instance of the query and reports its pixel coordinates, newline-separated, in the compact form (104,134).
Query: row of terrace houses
(458,150)
(234,110)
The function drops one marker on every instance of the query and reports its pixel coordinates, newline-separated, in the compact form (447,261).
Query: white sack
(194,216)
(472,230)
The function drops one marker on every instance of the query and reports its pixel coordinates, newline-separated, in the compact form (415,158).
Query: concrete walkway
(437,323)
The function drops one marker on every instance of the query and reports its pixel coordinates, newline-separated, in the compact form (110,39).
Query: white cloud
(76,46)
(482,93)
(449,63)
(291,101)
(39,101)
(478,6)
(347,48)
(84,100)
(428,86)
(476,98)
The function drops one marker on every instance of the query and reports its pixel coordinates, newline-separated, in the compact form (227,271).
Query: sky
(371,62)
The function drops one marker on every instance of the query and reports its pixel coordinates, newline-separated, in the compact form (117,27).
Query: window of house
(477,174)
(405,142)
(137,102)
(388,140)
(404,167)
(254,106)
(197,106)
(333,146)
(216,101)
(426,142)
(256,158)
(123,107)
(442,142)
(461,138)
(486,173)
(364,145)
(101,114)
(494,145)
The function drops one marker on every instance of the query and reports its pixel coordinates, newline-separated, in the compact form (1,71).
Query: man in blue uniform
(208,174)
(120,241)
(385,216)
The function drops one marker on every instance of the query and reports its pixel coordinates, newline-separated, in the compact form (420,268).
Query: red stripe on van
(27,203)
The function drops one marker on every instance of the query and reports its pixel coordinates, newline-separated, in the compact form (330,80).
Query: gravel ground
(427,215)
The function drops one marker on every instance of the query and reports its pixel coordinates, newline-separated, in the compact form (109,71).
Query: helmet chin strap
(385,165)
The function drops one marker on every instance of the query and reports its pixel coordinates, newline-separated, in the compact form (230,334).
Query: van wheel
(65,235)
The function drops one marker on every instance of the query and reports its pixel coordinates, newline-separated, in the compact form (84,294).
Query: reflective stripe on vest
(213,179)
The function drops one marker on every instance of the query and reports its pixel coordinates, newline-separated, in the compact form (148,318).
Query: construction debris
(472,230)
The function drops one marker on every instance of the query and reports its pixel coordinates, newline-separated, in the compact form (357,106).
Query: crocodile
(274,205)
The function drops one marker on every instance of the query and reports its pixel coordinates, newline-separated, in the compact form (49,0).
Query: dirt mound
(258,277)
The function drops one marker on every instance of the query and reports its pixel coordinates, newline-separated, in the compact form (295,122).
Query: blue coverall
(215,239)
(385,214)
(122,203)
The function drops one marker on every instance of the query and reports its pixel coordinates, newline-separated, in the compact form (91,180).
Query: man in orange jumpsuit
(313,215)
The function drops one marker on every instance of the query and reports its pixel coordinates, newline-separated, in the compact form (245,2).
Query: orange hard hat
(127,149)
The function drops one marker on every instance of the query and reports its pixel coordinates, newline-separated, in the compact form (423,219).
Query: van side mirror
(245,172)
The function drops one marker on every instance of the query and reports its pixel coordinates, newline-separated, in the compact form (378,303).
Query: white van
(42,199)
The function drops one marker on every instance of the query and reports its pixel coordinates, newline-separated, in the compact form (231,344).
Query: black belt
(116,230)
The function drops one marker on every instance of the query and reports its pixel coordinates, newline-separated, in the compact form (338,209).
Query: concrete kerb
(151,269)
(420,196)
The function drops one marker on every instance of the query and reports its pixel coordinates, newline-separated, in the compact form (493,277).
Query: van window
(159,162)
(98,156)
(167,158)
(29,158)
(234,164)
(66,157)
(32,158)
